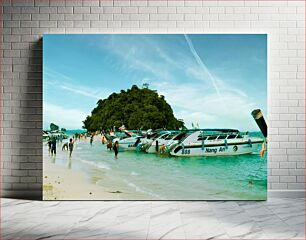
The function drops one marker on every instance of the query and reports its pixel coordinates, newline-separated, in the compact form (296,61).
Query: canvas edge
(37,194)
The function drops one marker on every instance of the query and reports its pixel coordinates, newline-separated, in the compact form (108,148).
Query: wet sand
(64,183)
(67,184)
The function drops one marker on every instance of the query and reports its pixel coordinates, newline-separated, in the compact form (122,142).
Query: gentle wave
(139,189)
(134,173)
(98,165)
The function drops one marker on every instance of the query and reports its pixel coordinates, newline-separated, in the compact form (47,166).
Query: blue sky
(215,80)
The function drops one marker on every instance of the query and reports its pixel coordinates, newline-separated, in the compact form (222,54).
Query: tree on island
(53,127)
(135,108)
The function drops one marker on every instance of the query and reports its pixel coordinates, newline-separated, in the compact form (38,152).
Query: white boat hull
(230,150)
(124,147)
(129,146)
(132,144)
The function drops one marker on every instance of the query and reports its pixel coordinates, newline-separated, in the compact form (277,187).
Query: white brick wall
(24,22)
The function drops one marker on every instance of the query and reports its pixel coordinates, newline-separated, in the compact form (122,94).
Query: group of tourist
(110,146)
(68,146)
(52,142)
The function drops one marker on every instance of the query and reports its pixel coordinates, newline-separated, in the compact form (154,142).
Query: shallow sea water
(151,176)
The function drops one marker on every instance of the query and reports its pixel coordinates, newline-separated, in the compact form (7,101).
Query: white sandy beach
(67,184)
(63,183)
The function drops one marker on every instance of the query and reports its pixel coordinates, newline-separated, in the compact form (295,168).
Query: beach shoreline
(93,173)
(66,184)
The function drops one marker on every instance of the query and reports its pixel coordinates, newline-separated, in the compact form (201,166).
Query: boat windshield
(213,137)
(180,136)
(201,138)
(183,137)
(164,136)
(170,136)
(155,135)
(231,136)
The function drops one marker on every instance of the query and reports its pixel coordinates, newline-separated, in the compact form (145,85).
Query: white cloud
(82,92)
(59,80)
(56,75)
(64,117)
(203,66)
(196,117)
(202,98)
(192,103)
(133,58)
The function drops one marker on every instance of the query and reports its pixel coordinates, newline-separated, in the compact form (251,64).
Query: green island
(136,108)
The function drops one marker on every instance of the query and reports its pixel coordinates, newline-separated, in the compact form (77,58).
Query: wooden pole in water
(202,140)
(259,119)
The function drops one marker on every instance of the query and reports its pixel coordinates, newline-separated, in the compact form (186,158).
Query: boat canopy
(223,130)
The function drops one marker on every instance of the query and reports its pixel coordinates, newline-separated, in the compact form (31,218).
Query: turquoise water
(72,132)
(152,176)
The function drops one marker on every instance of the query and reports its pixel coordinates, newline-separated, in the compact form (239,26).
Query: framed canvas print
(155,117)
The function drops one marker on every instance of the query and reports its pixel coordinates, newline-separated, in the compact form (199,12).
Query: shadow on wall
(29,147)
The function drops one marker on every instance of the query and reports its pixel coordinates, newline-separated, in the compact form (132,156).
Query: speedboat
(46,136)
(176,139)
(58,135)
(130,143)
(134,142)
(217,142)
(160,140)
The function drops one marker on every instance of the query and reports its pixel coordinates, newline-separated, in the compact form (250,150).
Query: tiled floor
(273,219)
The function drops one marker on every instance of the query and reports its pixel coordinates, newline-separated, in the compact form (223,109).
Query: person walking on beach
(71,143)
(116,148)
(53,147)
(102,139)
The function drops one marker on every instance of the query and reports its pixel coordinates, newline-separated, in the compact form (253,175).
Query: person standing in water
(116,148)
(109,145)
(53,146)
(71,143)
(49,145)
(91,139)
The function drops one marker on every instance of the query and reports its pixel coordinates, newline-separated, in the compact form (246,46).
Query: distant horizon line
(79,129)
